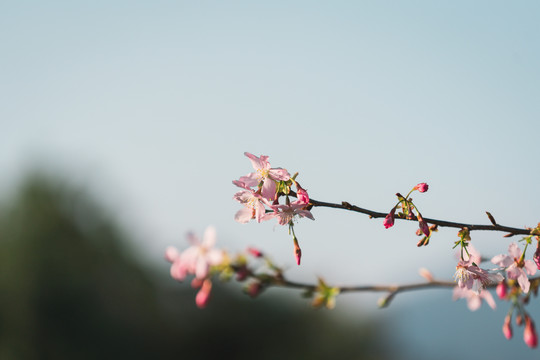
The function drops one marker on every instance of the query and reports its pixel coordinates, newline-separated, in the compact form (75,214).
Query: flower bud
(389,219)
(302,196)
(507,327)
(519,320)
(254,289)
(423,225)
(254,252)
(426,274)
(422,187)
(502,290)
(536,256)
(242,273)
(297,253)
(203,296)
(529,334)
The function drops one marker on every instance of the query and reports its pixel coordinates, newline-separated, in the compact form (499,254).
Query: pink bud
(426,274)
(203,296)
(255,252)
(423,225)
(196,283)
(297,253)
(536,257)
(529,334)
(302,196)
(242,273)
(254,289)
(422,187)
(502,290)
(389,219)
(519,320)
(507,327)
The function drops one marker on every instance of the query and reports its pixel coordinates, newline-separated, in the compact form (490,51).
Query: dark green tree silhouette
(72,289)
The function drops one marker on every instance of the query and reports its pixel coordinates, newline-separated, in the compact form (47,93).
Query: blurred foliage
(72,289)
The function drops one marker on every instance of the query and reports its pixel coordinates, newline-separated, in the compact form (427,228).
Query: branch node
(346,205)
(491,218)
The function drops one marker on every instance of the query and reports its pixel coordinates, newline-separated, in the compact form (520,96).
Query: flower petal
(486,295)
(523,282)
(258,163)
(279,174)
(171,254)
(514,251)
(530,267)
(474,301)
(502,260)
(269,189)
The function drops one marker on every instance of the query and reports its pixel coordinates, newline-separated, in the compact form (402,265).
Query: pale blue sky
(152,104)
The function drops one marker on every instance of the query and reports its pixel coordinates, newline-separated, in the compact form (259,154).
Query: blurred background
(123,125)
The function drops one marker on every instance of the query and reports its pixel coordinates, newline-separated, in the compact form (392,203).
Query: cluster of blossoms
(407,210)
(203,261)
(472,280)
(197,260)
(266,194)
(516,288)
(261,194)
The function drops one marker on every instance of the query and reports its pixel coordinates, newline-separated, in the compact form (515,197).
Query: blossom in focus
(470,276)
(265,175)
(197,259)
(516,267)
(253,204)
(286,213)
(474,299)
(422,187)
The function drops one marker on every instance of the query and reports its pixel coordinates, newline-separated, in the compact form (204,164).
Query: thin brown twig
(370,288)
(375,214)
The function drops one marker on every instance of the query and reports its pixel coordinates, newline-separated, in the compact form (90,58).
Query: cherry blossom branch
(371,288)
(375,214)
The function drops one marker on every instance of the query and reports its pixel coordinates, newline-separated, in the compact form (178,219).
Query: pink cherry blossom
(197,259)
(470,276)
(265,175)
(516,267)
(474,299)
(286,213)
(253,204)
(422,187)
